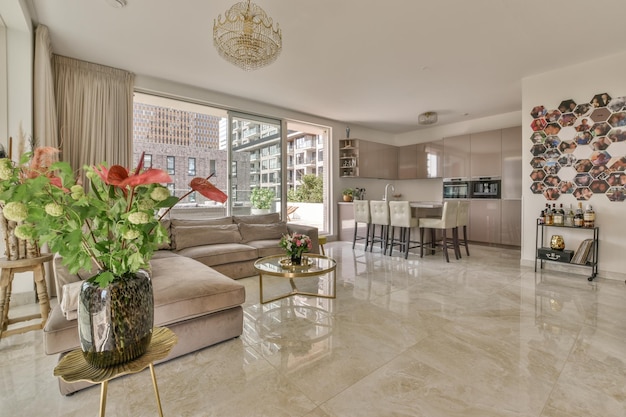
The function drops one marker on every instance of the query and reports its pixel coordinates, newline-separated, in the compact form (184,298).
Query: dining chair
(400,217)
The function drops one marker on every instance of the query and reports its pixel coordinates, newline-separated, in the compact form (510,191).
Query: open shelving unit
(591,262)
(348,158)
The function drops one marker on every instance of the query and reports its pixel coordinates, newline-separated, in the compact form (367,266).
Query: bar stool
(400,216)
(462,219)
(447,221)
(361,215)
(379,213)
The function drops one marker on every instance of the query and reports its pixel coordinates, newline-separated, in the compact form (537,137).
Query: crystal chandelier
(246,37)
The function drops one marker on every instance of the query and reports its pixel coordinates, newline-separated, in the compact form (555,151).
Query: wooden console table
(9,269)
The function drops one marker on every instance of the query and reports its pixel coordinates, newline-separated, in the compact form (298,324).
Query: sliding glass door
(255,179)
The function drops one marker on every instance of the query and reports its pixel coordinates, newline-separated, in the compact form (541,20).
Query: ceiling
(377,64)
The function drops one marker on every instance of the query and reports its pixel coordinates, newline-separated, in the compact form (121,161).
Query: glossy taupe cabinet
(486,154)
(456,157)
(420,161)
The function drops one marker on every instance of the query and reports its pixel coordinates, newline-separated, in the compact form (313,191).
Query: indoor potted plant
(295,245)
(348,194)
(110,227)
(261,200)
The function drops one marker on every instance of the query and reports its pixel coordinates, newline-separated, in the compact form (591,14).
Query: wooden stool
(322,240)
(9,268)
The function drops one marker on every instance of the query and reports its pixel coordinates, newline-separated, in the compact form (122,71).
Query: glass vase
(115,322)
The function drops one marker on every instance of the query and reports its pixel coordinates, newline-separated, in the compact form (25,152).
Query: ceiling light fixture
(428,118)
(246,36)
(118,4)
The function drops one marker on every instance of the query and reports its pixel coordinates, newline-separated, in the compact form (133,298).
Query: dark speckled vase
(115,323)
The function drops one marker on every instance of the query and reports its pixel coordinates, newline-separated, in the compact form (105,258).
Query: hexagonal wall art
(617,104)
(538,111)
(618,119)
(552,128)
(578,149)
(567,119)
(538,124)
(600,115)
(616,194)
(617,135)
(583,109)
(567,106)
(567,146)
(538,137)
(600,100)
(600,157)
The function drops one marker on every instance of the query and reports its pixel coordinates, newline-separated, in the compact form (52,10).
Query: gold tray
(286,263)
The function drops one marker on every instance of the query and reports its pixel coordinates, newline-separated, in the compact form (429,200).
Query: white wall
(580,83)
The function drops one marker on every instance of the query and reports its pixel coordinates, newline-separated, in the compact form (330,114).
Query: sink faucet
(386,196)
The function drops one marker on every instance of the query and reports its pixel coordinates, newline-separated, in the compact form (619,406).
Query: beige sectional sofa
(193,279)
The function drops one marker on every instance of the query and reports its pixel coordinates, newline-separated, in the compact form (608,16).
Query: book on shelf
(584,253)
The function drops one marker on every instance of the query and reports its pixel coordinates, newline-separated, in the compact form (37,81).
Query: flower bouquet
(295,245)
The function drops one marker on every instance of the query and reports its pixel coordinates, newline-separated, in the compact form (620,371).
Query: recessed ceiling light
(118,4)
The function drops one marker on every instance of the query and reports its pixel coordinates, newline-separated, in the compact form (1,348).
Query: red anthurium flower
(204,187)
(119,176)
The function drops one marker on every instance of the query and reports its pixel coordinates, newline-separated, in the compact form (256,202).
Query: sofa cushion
(267,247)
(250,232)
(258,218)
(188,236)
(220,253)
(202,221)
(183,289)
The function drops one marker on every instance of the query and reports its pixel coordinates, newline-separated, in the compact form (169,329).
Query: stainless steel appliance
(454,188)
(486,187)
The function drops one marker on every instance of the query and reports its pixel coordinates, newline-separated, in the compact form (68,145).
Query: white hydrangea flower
(145,204)
(15,211)
(54,210)
(25,232)
(138,217)
(131,234)
(159,194)
(6,169)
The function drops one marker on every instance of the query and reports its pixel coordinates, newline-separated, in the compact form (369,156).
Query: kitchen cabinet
(377,160)
(486,154)
(456,157)
(512,163)
(407,162)
(349,157)
(485,221)
(511,222)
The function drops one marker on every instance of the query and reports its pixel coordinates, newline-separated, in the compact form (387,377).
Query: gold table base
(73,367)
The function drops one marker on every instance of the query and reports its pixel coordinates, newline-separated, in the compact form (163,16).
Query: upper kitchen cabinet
(377,160)
(407,162)
(456,157)
(512,163)
(349,157)
(433,157)
(486,154)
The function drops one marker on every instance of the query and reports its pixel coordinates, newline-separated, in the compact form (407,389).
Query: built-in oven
(486,187)
(454,188)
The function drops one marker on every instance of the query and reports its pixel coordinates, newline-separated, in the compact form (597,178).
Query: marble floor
(482,336)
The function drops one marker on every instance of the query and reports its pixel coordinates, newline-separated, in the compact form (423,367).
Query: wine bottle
(569,217)
(558,216)
(578,217)
(589,218)
(549,218)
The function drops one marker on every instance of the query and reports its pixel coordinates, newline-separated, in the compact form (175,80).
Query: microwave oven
(455,188)
(486,187)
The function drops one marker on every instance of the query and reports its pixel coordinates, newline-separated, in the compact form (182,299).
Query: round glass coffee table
(313,266)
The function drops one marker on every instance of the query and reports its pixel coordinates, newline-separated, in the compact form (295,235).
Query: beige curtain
(95,112)
(44,107)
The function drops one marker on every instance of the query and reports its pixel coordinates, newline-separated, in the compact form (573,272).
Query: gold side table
(73,367)
(9,269)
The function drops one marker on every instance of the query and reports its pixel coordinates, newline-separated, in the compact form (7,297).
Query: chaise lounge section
(195,291)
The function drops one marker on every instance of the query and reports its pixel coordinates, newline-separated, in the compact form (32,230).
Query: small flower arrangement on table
(295,245)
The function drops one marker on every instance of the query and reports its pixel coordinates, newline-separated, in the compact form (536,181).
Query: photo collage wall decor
(580,149)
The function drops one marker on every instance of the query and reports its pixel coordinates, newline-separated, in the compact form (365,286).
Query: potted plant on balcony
(348,194)
(261,200)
